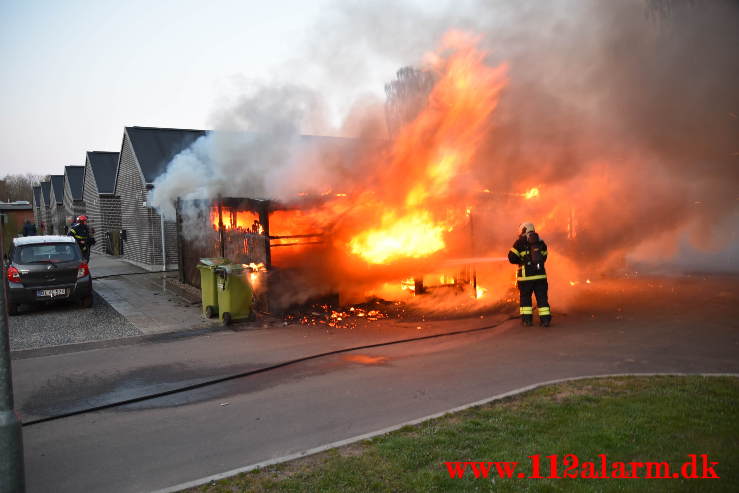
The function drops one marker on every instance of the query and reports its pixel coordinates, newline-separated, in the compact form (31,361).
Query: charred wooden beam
(264,221)
(299,243)
(220,227)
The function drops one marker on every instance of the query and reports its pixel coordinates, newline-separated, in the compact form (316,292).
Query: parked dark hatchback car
(47,268)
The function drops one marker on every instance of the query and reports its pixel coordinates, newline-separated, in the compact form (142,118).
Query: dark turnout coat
(80,231)
(529,252)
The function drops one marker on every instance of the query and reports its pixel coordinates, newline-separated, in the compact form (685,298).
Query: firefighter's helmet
(526,228)
(82,219)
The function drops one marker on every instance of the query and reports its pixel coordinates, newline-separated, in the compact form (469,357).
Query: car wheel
(226,318)
(12,308)
(86,302)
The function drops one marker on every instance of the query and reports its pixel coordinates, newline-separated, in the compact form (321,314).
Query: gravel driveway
(67,323)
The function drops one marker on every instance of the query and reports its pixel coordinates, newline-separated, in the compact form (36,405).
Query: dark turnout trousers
(540,288)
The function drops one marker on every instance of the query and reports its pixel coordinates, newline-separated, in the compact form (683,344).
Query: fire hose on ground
(215,381)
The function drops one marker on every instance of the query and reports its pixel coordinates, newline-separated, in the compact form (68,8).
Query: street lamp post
(12,479)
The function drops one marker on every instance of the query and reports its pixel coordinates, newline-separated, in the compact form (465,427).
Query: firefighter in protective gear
(529,252)
(82,236)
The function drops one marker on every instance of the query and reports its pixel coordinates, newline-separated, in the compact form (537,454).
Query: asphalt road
(65,322)
(664,326)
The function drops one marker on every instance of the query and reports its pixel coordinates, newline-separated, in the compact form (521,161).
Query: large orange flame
(430,153)
(246,221)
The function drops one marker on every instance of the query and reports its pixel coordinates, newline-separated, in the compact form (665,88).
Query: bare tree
(18,187)
(406,96)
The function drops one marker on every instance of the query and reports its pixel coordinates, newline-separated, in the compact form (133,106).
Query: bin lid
(214,261)
(231,268)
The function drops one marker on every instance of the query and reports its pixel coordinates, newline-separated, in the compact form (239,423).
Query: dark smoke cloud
(640,101)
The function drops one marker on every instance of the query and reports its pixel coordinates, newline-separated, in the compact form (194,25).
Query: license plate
(50,293)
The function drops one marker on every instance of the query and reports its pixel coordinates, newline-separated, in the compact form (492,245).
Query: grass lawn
(629,419)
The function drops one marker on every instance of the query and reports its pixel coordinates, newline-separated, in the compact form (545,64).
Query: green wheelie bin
(235,296)
(208,289)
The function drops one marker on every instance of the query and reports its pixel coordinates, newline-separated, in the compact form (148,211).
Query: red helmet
(82,218)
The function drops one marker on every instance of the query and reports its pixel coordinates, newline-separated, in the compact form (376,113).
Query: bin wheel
(226,318)
(210,311)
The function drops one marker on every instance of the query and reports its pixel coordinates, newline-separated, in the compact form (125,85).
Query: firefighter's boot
(527,320)
(545,320)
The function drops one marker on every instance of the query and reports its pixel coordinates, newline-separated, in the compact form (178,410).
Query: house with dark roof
(74,205)
(37,208)
(45,225)
(148,240)
(103,207)
(56,206)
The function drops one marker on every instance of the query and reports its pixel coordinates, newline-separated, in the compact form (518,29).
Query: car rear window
(47,252)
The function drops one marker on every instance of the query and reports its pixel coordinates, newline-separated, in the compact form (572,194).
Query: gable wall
(130,188)
(92,206)
(56,215)
(72,208)
(37,207)
(141,223)
(45,226)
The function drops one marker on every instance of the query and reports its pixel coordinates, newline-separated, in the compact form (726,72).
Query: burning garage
(367,218)
(262,234)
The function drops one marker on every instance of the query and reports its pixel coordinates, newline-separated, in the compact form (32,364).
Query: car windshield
(47,252)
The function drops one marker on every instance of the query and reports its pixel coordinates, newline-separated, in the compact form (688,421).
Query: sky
(76,72)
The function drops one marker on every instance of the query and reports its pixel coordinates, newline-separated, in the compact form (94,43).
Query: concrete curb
(383,431)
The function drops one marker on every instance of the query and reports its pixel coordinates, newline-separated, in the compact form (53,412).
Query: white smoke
(248,154)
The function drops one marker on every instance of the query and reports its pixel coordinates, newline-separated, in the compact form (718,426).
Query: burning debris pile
(347,317)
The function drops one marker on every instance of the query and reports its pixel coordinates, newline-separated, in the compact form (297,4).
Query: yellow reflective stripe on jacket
(525,252)
(515,251)
(544,253)
(531,278)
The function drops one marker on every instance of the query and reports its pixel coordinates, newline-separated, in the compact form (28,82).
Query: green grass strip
(661,418)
